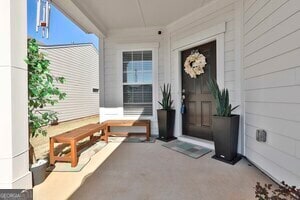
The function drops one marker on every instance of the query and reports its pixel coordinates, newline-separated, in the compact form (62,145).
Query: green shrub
(221,97)
(166,102)
(41,90)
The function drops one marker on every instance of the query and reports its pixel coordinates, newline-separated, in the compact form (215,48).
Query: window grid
(137,89)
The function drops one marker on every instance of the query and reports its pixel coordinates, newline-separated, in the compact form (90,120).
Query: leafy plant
(282,193)
(166,102)
(221,97)
(42,90)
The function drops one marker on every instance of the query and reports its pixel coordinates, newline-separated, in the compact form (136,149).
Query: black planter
(225,134)
(166,120)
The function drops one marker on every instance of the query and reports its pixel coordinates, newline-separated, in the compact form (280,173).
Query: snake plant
(221,97)
(166,102)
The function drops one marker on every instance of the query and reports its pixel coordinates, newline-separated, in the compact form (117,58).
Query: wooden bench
(127,123)
(72,137)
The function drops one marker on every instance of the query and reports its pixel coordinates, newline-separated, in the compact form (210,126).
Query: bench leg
(106,132)
(74,159)
(148,132)
(92,140)
(51,152)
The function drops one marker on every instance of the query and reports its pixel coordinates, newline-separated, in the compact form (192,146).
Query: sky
(62,30)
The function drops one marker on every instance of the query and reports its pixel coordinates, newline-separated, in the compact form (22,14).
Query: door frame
(216,33)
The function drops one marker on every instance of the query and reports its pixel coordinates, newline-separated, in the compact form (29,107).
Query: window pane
(129,77)
(138,109)
(147,88)
(147,97)
(127,56)
(137,56)
(147,65)
(128,98)
(137,66)
(127,66)
(138,98)
(147,55)
(139,77)
(137,88)
(147,77)
(127,89)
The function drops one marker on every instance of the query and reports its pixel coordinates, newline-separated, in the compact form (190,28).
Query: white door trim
(216,33)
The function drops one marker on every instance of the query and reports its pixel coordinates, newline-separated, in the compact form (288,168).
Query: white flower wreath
(194,64)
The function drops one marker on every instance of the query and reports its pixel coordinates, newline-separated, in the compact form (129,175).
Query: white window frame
(142,47)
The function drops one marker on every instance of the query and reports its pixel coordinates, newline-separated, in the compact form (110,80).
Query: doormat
(188,149)
(84,157)
(138,139)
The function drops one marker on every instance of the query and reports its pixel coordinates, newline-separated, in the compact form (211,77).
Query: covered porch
(256,58)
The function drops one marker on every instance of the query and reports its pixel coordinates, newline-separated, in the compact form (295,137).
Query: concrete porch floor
(150,171)
(146,171)
(153,172)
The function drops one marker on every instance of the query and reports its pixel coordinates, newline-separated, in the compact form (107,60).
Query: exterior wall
(200,23)
(79,64)
(202,19)
(272,77)
(133,39)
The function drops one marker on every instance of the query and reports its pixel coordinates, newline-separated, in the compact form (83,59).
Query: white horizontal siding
(79,64)
(271,78)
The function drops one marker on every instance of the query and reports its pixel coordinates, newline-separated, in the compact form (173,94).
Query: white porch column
(14,165)
(101,71)
(101,77)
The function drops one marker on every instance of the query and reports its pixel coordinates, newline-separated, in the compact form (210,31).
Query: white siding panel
(288,43)
(271,79)
(264,9)
(286,11)
(272,168)
(298,149)
(275,110)
(279,126)
(278,79)
(279,142)
(248,4)
(289,26)
(289,163)
(254,9)
(285,61)
(276,95)
(79,65)
(298,75)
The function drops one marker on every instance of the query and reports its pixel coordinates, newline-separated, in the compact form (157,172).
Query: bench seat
(73,137)
(127,123)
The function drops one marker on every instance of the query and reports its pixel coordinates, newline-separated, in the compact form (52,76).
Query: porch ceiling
(120,14)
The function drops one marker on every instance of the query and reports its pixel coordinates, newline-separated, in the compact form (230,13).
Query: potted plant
(166,115)
(42,91)
(225,126)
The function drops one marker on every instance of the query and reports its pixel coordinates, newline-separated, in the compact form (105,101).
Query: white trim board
(215,33)
(190,40)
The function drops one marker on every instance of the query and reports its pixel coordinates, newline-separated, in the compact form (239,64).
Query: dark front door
(197,119)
